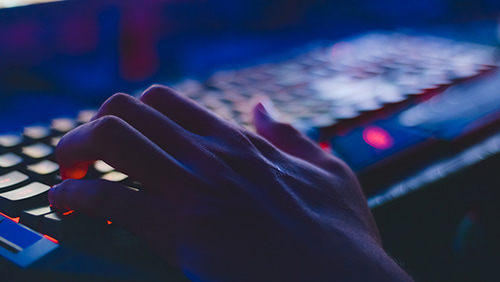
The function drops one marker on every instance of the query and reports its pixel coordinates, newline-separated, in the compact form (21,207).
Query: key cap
(115,176)
(37,151)
(85,115)
(33,218)
(44,167)
(10,161)
(55,140)
(368,106)
(27,197)
(20,245)
(36,132)
(45,171)
(10,141)
(11,180)
(63,125)
(102,167)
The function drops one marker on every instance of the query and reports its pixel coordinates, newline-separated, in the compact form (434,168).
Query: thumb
(284,136)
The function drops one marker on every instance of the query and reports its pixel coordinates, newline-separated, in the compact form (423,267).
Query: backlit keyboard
(337,87)
(351,96)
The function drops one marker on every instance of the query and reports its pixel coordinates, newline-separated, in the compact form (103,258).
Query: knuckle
(337,166)
(117,101)
(66,142)
(106,126)
(153,92)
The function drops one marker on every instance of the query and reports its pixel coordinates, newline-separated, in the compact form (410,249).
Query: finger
(99,198)
(285,137)
(183,111)
(133,210)
(117,143)
(155,126)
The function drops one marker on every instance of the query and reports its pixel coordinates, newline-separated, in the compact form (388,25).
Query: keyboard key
(102,167)
(55,140)
(368,106)
(344,113)
(115,176)
(33,218)
(36,132)
(11,180)
(9,161)
(10,140)
(20,245)
(63,125)
(45,171)
(37,151)
(85,116)
(44,167)
(27,197)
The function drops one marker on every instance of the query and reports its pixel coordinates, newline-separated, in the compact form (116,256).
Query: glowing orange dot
(68,212)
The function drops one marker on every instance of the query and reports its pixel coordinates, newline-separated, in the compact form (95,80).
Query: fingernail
(76,172)
(268,107)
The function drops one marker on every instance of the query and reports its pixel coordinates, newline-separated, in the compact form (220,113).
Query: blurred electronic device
(376,100)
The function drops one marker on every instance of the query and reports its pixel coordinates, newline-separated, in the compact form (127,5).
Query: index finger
(117,143)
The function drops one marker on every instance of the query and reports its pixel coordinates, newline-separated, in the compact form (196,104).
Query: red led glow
(51,239)
(15,219)
(378,138)
(326,147)
(109,222)
(68,212)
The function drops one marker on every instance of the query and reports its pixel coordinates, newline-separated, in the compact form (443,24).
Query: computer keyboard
(34,239)
(357,97)
(348,96)
(339,86)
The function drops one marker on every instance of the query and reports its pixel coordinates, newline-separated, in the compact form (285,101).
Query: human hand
(219,202)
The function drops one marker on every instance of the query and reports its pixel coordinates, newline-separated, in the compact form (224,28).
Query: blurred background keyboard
(414,112)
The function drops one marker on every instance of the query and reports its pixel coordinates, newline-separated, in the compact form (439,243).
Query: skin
(219,202)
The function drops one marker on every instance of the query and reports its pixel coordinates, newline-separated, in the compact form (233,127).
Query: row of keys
(44,134)
(28,169)
(344,82)
(17,193)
